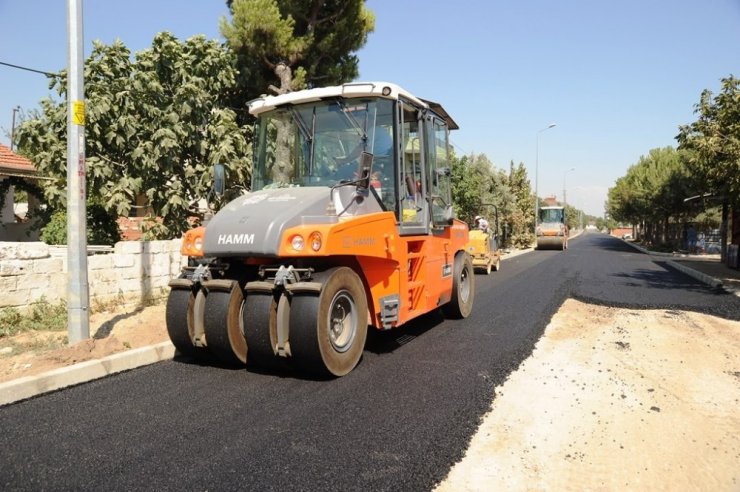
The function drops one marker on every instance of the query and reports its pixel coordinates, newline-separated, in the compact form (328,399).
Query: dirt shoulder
(610,399)
(615,399)
(35,352)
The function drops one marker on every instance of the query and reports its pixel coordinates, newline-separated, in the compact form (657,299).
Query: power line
(29,69)
(458,147)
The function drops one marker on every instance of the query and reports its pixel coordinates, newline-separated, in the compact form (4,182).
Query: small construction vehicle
(348,224)
(483,245)
(552,231)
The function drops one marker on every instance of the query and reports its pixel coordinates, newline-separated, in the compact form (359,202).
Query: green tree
(100,228)
(712,142)
(155,125)
(520,223)
(651,195)
(476,185)
(295,43)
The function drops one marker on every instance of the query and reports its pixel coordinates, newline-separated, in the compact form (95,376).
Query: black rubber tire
(179,321)
(260,330)
(222,321)
(313,347)
(463,288)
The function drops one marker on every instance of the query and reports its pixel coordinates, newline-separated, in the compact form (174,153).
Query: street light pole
(537,177)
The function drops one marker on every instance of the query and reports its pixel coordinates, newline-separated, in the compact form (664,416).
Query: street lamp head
(551,125)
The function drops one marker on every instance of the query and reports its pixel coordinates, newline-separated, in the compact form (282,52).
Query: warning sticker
(78,112)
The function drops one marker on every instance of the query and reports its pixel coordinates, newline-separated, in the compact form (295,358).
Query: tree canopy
(521,221)
(712,142)
(155,125)
(477,184)
(656,193)
(293,44)
(652,192)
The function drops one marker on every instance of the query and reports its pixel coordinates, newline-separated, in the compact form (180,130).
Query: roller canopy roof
(349,90)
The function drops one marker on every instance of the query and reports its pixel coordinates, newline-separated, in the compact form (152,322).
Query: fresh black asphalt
(399,421)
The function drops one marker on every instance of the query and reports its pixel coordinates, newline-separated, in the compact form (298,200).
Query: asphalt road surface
(397,422)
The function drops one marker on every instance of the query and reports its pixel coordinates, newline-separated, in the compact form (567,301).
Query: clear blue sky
(617,78)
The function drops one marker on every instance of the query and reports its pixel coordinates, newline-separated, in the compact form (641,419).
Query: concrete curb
(700,276)
(29,386)
(515,253)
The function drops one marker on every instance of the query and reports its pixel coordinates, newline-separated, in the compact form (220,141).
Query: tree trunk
(282,170)
(723,232)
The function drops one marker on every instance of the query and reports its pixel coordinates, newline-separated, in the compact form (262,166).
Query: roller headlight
(297,243)
(192,242)
(315,240)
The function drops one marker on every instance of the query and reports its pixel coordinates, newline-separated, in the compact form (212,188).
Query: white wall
(135,272)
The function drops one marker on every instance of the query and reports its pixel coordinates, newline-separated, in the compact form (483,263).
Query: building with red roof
(14,225)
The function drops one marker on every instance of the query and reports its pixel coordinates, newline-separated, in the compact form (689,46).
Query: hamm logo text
(236,239)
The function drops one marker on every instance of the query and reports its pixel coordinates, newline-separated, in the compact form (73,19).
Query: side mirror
(364,170)
(449,214)
(219,179)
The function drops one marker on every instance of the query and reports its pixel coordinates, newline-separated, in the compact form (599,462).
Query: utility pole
(78,297)
(12,128)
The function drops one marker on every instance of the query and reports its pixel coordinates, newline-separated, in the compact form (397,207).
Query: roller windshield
(551,215)
(319,143)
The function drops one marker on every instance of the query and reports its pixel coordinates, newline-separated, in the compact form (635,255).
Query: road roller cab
(348,225)
(552,231)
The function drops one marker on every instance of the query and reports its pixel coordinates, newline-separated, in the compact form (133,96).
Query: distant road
(397,422)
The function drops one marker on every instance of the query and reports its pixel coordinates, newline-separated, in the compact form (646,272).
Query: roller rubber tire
(315,347)
(260,330)
(179,321)
(222,320)
(463,288)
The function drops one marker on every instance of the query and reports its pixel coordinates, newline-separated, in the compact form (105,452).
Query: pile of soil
(615,399)
(35,352)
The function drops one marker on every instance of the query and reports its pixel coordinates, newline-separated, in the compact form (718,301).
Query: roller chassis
(552,242)
(312,319)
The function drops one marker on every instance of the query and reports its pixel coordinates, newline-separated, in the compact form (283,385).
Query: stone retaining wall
(134,273)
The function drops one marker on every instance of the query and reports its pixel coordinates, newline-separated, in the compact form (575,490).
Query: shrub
(42,316)
(102,227)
